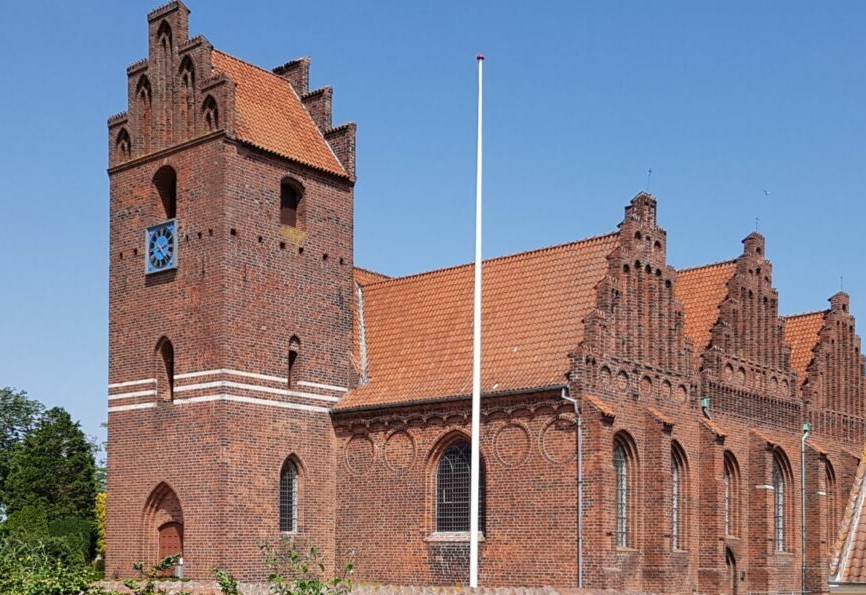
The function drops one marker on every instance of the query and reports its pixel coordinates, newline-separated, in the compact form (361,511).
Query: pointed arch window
(624,467)
(781,501)
(679,492)
(731,496)
(453,476)
(165,352)
(289,497)
(832,499)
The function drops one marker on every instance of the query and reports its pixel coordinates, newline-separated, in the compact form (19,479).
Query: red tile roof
(419,329)
(849,557)
(801,333)
(365,277)
(269,115)
(702,290)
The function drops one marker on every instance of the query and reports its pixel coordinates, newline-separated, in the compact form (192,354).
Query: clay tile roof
(365,277)
(702,290)
(802,334)
(269,115)
(849,556)
(419,329)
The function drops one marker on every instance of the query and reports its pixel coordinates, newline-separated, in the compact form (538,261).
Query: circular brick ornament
(359,455)
(399,451)
(512,445)
(558,441)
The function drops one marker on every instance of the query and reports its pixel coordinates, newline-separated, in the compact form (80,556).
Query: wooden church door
(170,542)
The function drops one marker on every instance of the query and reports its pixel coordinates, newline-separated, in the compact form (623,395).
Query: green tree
(18,414)
(51,486)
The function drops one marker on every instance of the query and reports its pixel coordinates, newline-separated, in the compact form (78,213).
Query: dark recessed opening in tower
(165,181)
(291,204)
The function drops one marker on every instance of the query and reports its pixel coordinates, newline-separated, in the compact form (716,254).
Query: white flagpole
(475,462)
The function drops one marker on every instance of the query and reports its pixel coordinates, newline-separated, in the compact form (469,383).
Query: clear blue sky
(720,99)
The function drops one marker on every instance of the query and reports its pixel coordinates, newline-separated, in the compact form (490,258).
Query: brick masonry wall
(245,285)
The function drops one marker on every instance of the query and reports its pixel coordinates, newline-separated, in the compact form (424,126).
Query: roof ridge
(498,258)
(803,314)
(251,65)
(708,266)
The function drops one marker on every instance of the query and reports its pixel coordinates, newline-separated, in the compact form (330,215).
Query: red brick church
(263,385)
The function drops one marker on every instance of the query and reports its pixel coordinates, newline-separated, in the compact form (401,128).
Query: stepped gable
(702,290)
(834,376)
(745,348)
(418,329)
(270,115)
(802,332)
(849,556)
(634,342)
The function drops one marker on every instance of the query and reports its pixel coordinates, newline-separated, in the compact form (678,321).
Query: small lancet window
(210,112)
(165,181)
(291,203)
(289,497)
(679,492)
(294,352)
(624,466)
(165,351)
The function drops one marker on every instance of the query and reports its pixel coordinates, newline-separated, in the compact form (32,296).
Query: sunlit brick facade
(262,386)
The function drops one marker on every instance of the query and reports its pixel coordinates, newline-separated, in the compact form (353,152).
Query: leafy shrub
(297,573)
(32,568)
(146,583)
(227,583)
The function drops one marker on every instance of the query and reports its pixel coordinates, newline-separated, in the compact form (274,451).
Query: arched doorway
(162,525)
(731,572)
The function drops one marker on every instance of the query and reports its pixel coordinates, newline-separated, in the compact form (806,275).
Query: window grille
(620,464)
(453,490)
(676,502)
(289,497)
(778,507)
(726,503)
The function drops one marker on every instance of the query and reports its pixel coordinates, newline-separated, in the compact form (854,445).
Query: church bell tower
(230,325)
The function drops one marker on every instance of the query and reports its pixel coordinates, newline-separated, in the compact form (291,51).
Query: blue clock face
(161,247)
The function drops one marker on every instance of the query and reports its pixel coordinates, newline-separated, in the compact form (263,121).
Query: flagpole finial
(479,57)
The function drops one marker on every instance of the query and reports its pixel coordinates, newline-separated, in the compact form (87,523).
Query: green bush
(300,570)
(33,568)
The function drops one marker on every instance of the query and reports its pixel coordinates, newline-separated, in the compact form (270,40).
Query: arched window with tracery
(624,467)
(679,492)
(453,476)
(782,502)
(289,496)
(731,495)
